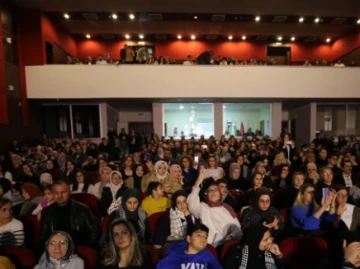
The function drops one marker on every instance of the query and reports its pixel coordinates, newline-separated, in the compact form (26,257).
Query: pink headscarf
(172,172)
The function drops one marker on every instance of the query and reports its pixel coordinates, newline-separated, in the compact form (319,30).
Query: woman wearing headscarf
(61,161)
(137,177)
(59,253)
(97,189)
(235,181)
(256,250)
(52,170)
(32,195)
(112,192)
(176,172)
(162,175)
(311,175)
(129,209)
(213,212)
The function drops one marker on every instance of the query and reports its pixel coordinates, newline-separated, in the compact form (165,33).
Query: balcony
(142,81)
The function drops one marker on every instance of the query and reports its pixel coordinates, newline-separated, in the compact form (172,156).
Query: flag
(242,129)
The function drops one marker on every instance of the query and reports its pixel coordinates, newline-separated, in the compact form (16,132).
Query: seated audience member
(322,160)
(236,181)
(161,175)
(284,179)
(29,175)
(129,209)
(127,170)
(257,182)
(351,252)
(6,263)
(59,253)
(135,180)
(256,250)
(81,184)
(279,161)
(346,177)
(68,215)
(52,170)
(97,189)
(347,215)
(306,215)
(45,179)
(13,195)
(124,250)
(47,200)
(260,169)
(214,213)
(261,212)
(325,181)
(111,192)
(287,196)
(215,171)
(311,175)
(244,169)
(226,197)
(188,170)
(11,229)
(354,192)
(4,173)
(33,197)
(192,253)
(180,217)
(155,202)
(332,160)
(175,171)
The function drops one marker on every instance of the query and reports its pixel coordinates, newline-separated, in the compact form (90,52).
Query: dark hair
(197,227)
(4,201)
(260,192)
(47,187)
(254,175)
(345,161)
(60,182)
(340,188)
(329,156)
(86,181)
(153,185)
(224,181)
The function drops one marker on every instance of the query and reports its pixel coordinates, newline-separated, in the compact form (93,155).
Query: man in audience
(123,54)
(68,215)
(226,197)
(205,57)
(142,55)
(322,160)
(188,61)
(339,64)
(346,178)
(79,156)
(332,160)
(88,60)
(100,60)
(168,157)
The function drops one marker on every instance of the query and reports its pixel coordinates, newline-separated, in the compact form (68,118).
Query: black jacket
(231,202)
(107,198)
(84,230)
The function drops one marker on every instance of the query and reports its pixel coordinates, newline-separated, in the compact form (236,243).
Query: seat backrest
(105,224)
(227,247)
(285,213)
(299,251)
(153,253)
(212,250)
(143,196)
(89,256)
(21,257)
(93,177)
(88,199)
(153,221)
(31,229)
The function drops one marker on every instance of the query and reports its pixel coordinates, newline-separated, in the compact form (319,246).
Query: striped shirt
(12,234)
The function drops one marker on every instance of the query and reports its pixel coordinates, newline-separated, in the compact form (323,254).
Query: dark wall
(352,56)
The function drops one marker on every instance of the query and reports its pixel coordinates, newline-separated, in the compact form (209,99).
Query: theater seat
(153,253)
(105,224)
(285,214)
(143,196)
(226,248)
(31,229)
(89,256)
(93,177)
(212,250)
(153,221)
(88,199)
(21,257)
(299,251)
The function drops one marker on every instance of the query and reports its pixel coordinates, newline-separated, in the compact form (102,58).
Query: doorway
(49,53)
(142,127)
(280,54)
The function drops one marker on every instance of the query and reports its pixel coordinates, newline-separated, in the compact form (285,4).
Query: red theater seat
(88,199)
(285,213)
(153,221)
(212,250)
(31,229)
(89,256)
(153,253)
(105,224)
(21,257)
(300,250)
(226,248)
(93,177)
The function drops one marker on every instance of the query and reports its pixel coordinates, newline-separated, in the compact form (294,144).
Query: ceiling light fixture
(66,16)
(317,20)
(114,16)
(179,36)
(131,16)
(280,38)
(193,37)
(127,36)
(195,17)
(88,36)
(328,40)
(358,21)
(243,37)
(257,18)
(230,37)
(141,36)
(293,38)
(301,19)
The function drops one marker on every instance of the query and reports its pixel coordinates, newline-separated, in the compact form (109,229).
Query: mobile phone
(325,192)
(267,220)
(196,159)
(213,172)
(289,143)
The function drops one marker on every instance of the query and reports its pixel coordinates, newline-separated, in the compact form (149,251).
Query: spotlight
(301,19)
(88,36)
(114,16)
(317,20)
(257,18)
(66,16)
(280,38)
(131,16)
(141,36)
(193,37)
(328,40)
(127,36)
(243,37)
(179,36)
(358,21)
(293,38)
(195,17)
(230,37)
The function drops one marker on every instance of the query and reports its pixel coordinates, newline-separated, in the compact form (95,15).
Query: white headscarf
(114,189)
(157,165)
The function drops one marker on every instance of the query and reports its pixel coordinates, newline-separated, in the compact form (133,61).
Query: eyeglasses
(327,174)
(58,243)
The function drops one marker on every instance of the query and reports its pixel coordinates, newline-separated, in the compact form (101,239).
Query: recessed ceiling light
(66,16)
(141,36)
(88,36)
(317,20)
(301,19)
(195,17)
(257,18)
(179,36)
(193,37)
(131,16)
(243,37)
(293,38)
(127,36)
(114,16)
(230,37)
(328,40)
(181,107)
(279,38)
(358,21)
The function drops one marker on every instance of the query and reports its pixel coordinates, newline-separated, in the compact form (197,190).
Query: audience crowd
(196,203)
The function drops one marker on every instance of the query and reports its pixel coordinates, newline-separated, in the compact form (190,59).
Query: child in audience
(155,202)
(48,200)
(192,253)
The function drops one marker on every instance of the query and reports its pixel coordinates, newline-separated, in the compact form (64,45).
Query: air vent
(262,37)
(218,17)
(338,21)
(156,17)
(279,19)
(311,39)
(160,37)
(90,16)
(211,37)
(107,36)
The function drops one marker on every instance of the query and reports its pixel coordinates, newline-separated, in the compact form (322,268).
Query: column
(313,111)
(158,118)
(103,120)
(218,120)
(276,118)
(4,117)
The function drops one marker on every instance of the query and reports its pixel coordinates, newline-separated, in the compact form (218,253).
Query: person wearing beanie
(46,179)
